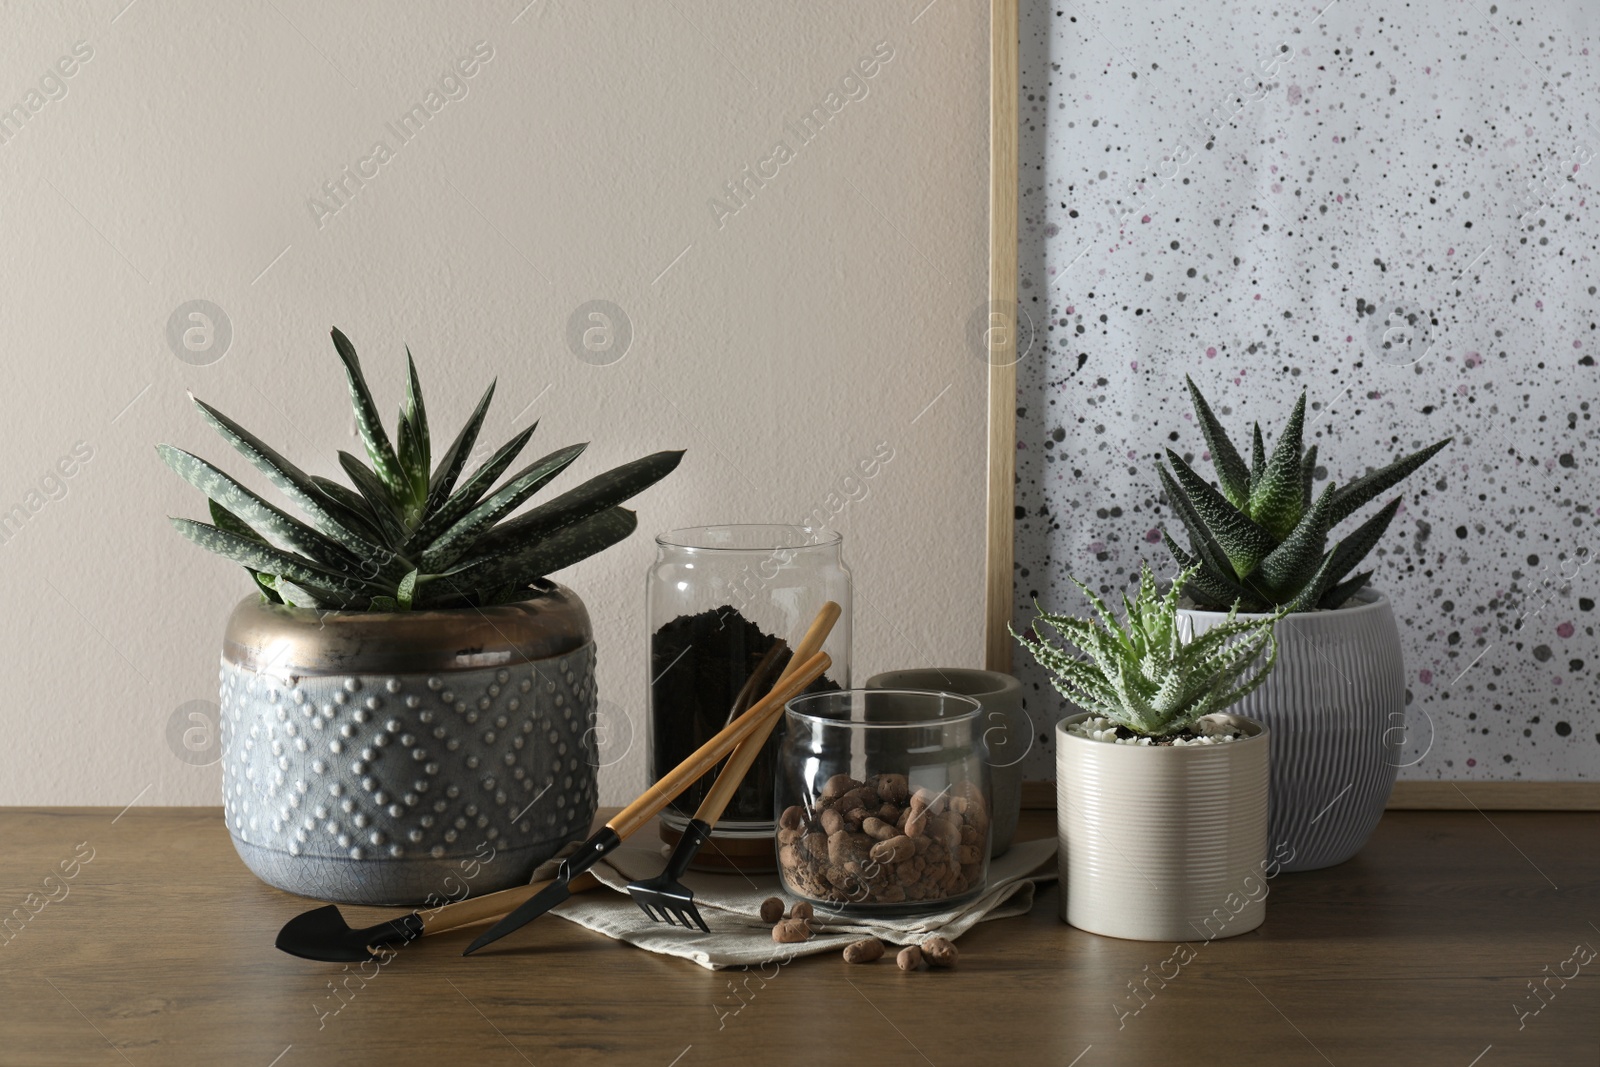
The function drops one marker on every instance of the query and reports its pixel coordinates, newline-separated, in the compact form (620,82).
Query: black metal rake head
(664,898)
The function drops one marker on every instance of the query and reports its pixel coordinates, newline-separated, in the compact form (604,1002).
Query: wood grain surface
(158,950)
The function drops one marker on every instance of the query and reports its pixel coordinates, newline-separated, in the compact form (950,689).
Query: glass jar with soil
(726,605)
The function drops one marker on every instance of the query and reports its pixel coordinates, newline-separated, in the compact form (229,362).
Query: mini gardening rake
(664,898)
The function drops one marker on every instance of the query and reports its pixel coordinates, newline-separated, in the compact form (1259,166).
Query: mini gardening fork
(664,898)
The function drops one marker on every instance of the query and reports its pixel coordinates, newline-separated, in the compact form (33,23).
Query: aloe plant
(1261,541)
(1141,673)
(404,534)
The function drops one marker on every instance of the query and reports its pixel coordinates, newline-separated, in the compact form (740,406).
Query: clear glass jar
(884,801)
(726,605)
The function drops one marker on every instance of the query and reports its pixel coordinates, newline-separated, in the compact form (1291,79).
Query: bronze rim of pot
(273,638)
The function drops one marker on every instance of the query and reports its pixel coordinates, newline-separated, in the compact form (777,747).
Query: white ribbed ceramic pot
(1336,706)
(1162,843)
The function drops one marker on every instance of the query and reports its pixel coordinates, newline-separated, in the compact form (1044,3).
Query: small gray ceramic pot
(407,757)
(1163,843)
(1007,731)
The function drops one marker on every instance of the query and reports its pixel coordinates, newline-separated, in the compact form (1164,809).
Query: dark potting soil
(699,663)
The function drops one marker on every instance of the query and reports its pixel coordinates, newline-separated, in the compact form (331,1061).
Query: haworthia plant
(1259,540)
(403,535)
(1141,673)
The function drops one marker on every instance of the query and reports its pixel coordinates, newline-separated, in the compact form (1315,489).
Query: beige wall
(779,343)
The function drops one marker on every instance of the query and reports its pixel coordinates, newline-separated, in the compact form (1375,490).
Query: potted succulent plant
(1336,704)
(1161,797)
(407,697)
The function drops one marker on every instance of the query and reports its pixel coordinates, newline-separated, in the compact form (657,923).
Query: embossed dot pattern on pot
(399,793)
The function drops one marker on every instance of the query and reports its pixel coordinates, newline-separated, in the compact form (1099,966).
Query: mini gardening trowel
(323,933)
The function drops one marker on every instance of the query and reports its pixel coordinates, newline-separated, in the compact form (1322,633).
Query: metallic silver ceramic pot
(408,757)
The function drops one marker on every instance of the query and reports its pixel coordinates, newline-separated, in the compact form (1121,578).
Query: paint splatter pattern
(1388,206)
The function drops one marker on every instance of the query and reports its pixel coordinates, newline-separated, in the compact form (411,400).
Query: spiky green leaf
(444,515)
(258,555)
(406,591)
(330,598)
(1079,682)
(226,520)
(248,509)
(1232,474)
(1368,486)
(562,549)
(598,494)
(289,479)
(267,584)
(417,412)
(380,504)
(1210,588)
(1258,457)
(373,435)
(1346,589)
(1299,553)
(1312,591)
(454,543)
(1095,642)
(229,522)
(1308,474)
(351,508)
(1275,499)
(1244,543)
(456,456)
(1249,649)
(414,466)
(1201,541)
(1351,550)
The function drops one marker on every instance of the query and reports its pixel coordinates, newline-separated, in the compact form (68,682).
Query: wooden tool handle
(738,765)
(490,906)
(708,755)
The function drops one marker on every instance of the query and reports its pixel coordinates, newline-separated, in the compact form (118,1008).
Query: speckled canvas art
(1387,205)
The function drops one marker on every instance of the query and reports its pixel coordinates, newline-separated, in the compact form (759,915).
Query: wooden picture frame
(999,525)
(999,532)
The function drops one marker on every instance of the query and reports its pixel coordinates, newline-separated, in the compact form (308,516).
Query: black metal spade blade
(322,934)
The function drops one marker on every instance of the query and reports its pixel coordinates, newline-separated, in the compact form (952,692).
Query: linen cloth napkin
(731,906)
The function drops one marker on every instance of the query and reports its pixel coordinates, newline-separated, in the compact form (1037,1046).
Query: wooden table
(1419,951)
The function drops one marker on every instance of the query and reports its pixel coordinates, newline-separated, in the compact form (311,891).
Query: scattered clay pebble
(863,951)
(801,910)
(940,952)
(771,910)
(791,931)
(910,959)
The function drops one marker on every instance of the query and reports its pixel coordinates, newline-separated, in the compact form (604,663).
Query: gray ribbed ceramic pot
(1335,707)
(409,757)
(1163,843)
